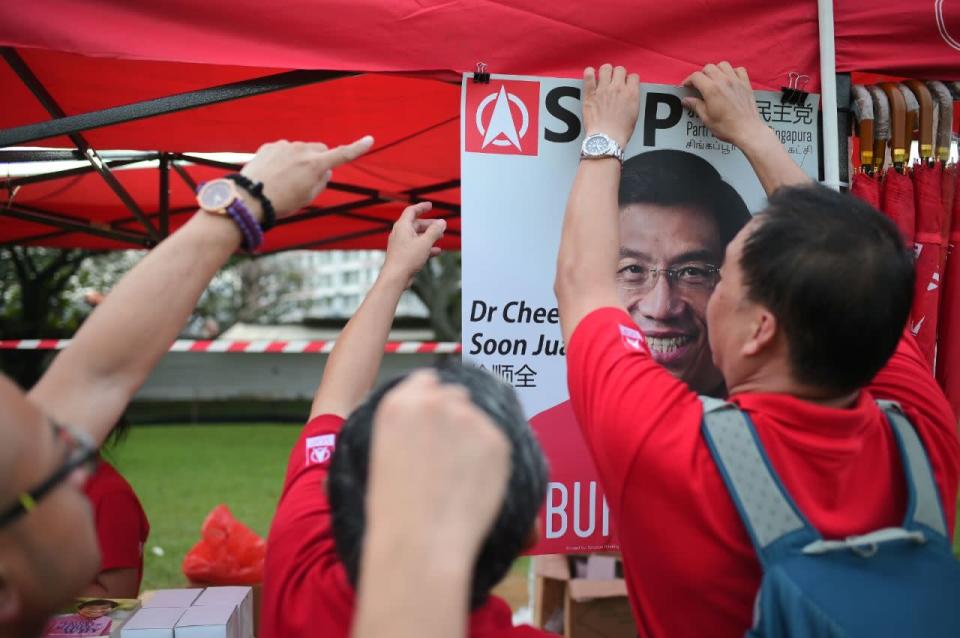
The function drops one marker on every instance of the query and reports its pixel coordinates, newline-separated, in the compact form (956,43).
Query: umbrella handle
(881,125)
(925,99)
(862,105)
(898,123)
(944,119)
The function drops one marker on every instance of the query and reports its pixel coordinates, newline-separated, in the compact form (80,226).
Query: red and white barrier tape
(223,345)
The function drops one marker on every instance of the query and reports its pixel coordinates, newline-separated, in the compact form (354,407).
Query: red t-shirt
(305,588)
(690,567)
(122,526)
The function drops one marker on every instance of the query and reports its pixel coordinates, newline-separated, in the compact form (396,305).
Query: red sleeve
(305,586)
(303,514)
(119,516)
(624,401)
(908,380)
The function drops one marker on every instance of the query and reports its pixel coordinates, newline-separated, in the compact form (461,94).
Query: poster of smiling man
(683,195)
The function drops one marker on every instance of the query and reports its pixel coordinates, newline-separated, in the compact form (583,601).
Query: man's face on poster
(669,256)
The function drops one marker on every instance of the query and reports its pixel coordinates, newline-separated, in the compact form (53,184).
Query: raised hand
(727,105)
(412,241)
(294,173)
(438,467)
(611,102)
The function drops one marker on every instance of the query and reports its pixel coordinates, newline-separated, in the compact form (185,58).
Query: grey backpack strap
(924,500)
(765,507)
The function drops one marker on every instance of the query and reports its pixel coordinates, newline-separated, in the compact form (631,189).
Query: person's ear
(763,332)
(10,602)
(533,536)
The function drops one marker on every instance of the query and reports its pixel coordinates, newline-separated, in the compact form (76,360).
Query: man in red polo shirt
(312,560)
(806,325)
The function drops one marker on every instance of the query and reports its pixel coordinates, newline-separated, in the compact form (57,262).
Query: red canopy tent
(114,76)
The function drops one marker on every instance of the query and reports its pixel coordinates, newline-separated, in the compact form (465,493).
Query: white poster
(520,146)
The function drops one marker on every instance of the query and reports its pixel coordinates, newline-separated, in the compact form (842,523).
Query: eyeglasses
(80,453)
(689,277)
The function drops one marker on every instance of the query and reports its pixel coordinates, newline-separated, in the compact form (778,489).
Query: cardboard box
(209,621)
(155,622)
(180,598)
(257,591)
(241,598)
(593,605)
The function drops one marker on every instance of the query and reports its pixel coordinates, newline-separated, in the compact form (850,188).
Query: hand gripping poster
(683,195)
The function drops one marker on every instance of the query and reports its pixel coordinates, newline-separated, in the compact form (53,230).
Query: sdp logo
(503,117)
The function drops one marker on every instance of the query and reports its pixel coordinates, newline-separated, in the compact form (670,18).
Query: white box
(240,597)
(181,598)
(209,621)
(155,622)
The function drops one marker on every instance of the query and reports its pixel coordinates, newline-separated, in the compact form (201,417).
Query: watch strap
(255,189)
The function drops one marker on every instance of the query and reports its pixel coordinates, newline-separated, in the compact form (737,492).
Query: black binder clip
(481,76)
(793,93)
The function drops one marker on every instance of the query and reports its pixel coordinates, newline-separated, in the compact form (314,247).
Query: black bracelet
(256,189)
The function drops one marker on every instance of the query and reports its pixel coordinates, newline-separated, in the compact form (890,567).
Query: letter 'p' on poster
(683,195)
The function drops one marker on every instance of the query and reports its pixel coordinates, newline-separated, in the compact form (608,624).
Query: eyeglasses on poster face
(693,278)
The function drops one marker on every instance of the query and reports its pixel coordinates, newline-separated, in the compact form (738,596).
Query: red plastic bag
(229,552)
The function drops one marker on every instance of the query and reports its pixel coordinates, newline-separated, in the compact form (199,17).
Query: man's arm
(426,521)
(728,108)
(351,370)
(590,241)
(90,383)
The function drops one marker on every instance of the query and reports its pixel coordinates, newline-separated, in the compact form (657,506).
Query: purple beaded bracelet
(249,228)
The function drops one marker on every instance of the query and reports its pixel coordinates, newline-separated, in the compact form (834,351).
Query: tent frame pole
(163,208)
(13,182)
(63,124)
(38,216)
(72,126)
(32,82)
(346,237)
(828,88)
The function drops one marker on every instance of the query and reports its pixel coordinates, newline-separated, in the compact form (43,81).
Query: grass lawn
(182,472)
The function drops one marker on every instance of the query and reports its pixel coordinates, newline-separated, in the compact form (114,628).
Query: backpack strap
(923,504)
(765,507)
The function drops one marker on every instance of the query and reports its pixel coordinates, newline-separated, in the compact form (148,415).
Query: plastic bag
(229,552)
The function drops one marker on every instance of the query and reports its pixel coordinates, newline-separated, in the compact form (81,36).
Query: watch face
(597,145)
(217,194)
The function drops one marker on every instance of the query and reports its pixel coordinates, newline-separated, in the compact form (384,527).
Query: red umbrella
(867,188)
(897,201)
(948,354)
(927,181)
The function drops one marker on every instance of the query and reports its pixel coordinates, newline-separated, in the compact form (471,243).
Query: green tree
(438,287)
(34,304)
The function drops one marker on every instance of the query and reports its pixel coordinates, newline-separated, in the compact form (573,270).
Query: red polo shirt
(305,588)
(690,567)
(122,526)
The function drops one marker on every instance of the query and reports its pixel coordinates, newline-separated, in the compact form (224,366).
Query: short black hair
(98,602)
(676,178)
(839,279)
(347,481)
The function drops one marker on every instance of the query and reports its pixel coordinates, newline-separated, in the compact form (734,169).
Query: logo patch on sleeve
(632,338)
(320,448)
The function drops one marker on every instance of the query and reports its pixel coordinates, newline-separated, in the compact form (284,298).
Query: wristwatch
(220,197)
(217,195)
(599,146)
